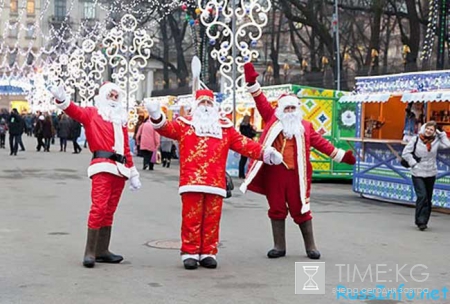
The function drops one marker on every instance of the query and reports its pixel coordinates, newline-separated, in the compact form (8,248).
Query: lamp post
(247,18)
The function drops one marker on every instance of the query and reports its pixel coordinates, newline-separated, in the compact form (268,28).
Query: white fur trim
(189,256)
(204,256)
(106,168)
(161,123)
(277,127)
(254,88)
(185,120)
(225,122)
(288,101)
(339,155)
(64,105)
(203,189)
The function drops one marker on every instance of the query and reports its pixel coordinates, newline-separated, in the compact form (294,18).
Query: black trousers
(47,143)
(242,163)
(147,155)
(2,140)
(40,143)
(63,143)
(424,192)
(22,147)
(14,143)
(76,146)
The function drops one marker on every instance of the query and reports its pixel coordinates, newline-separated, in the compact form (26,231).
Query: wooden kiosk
(381,104)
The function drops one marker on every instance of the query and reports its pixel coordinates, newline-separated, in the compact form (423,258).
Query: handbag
(156,157)
(404,162)
(230,185)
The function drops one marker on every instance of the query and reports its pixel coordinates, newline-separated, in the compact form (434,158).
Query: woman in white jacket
(424,168)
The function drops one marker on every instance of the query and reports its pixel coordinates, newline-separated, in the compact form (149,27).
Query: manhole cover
(168,244)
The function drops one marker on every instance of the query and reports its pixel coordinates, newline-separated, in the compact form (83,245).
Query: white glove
(59,93)
(272,156)
(153,108)
(135,183)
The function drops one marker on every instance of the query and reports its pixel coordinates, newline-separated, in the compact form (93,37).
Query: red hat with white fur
(201,95)
(286,100)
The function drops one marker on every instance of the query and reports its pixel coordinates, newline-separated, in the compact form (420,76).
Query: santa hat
(286,100)
(201,95)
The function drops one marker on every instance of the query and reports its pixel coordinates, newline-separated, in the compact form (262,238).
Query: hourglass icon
(310,272)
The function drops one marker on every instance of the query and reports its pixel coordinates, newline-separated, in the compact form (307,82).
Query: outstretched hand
(59,93)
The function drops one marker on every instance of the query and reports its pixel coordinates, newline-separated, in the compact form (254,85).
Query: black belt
(110,155)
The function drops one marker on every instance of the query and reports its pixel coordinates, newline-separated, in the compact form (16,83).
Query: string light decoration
(431,30)
(250,17)
(128,50)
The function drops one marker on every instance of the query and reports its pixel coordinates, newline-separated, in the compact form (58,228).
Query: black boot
(279,239)
(91,246)
(208,262)
(168,164)
(164,161)
(190,264)
(103,255)
(308,238)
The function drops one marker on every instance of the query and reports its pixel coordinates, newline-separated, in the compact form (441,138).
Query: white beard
(292,122)
(206,122)
(112,111)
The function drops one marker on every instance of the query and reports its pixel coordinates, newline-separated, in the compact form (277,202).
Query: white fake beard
(206,121)
(292,122)
(112,111)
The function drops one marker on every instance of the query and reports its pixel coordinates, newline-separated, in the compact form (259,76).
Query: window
(60,8)
(12,58)
(89,10)
(30,30)
(13,26)
(14,6)
(30,7)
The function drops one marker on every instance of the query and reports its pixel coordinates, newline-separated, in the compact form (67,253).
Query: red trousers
(200,223)
(105,194)
(283,194)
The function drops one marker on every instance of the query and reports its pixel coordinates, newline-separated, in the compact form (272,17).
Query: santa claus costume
(112,164)
(287,186)
(204,140)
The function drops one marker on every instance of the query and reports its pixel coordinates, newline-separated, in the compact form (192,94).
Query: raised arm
(444,142)
(324,146)
(71,109)
(169,129)
(262,104)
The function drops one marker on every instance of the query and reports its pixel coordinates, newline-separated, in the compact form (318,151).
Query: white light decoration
(128,50)
(250,17)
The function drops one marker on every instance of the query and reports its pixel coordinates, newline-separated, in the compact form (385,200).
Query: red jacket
(102,136)
(310,138)
(203,159)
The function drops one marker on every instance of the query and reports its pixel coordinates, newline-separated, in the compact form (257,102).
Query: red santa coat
(203,159)
(102,136)
(303,143)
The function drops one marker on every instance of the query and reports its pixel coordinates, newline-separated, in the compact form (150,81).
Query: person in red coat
(287,186)
(111,165)
(204,140)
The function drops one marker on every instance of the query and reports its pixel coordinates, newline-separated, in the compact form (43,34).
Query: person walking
(249,131)
(15,127)
(420,153)
(39,133)
(47,132)
(166,151)
(75,131)
(148,140)
(3,129)
(63,132)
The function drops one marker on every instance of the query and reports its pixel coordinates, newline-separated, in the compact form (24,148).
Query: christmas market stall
(329,118)
(390,110)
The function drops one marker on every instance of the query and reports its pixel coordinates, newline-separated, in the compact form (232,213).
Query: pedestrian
(15,127)
(63,132)
(47,132)
(166,151)
(23,129)
(287,186)
(420,153)
(249,131)
(75,131)
(140,121)
(111,165)
(3,130)
(39,133)
(204,141)
(148,140)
